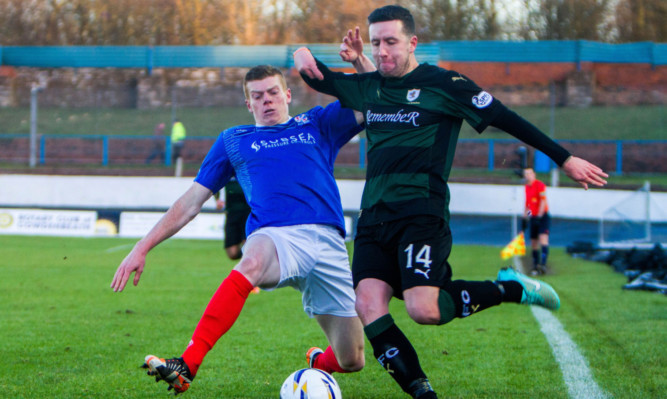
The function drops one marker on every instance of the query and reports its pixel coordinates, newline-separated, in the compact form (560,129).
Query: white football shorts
(313,259)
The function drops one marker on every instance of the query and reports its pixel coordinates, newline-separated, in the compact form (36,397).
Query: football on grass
(310,384)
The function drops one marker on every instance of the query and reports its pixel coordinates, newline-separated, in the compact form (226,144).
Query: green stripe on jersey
(395,187)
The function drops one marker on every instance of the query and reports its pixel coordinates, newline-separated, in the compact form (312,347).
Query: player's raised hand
(352,46)
(133,263)
(304,62)
(584,172)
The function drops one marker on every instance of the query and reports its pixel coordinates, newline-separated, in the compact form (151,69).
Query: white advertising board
(204,226)
(47,222)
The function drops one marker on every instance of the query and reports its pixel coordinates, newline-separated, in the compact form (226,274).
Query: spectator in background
(237,210)
(537,212)
(158,144)
(177,139)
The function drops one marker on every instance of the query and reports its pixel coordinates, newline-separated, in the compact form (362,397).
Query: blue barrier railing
(149,57)
(99,151)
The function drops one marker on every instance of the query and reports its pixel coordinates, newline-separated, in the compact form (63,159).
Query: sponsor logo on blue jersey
(301,138)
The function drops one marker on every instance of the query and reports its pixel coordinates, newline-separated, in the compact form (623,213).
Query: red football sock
(219,316)
(327,361)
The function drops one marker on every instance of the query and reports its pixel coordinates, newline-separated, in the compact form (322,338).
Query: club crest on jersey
(482,100)
(301,119)
(413,94)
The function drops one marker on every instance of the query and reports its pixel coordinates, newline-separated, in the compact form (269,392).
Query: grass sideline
(645,122)
(66,334)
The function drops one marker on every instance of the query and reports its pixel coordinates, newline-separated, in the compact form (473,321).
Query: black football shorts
(235,228)
(404,253)
(539,225)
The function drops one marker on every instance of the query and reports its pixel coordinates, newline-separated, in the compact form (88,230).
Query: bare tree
(641,20)
(281,24)
(567,19)
(457,19)
(325,21)
(216,22)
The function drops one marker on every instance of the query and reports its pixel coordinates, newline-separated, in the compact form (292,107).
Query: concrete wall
(513,83)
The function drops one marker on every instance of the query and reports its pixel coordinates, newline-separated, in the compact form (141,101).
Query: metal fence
(615,156)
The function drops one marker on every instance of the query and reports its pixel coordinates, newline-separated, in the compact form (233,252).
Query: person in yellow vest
(177,139)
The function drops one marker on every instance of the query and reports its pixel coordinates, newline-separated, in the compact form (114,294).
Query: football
(310,384)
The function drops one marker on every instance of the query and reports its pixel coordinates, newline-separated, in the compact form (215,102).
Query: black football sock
(396,354)
(462,298)
(536,258)
(512,291)
(545,254)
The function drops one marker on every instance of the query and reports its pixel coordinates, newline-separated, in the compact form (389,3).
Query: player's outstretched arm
(584,172)
(304,62)
(577,169)
(178,215)
(352,51)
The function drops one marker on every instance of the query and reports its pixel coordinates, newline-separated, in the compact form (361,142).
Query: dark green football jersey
(412,126)
(234,197)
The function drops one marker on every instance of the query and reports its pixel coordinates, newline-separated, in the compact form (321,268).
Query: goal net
(633,222)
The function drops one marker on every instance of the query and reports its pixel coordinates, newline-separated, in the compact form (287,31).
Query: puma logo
(455,78)
(425,273)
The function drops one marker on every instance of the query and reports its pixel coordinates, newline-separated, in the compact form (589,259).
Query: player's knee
(252,268)
(234,253)
(372,300)
(369,309)
(353,362)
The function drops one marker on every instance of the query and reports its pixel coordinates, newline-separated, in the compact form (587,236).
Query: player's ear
(288,95)
(413,43)
(247,104)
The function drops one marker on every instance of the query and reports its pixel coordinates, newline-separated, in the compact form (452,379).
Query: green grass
(108,121)
(65,334)
(593,123)
(599,123)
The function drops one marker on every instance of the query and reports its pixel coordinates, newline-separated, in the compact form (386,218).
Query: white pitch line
(577,375)
(573,365)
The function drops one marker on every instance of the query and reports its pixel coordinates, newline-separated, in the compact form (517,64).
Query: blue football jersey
(286,170)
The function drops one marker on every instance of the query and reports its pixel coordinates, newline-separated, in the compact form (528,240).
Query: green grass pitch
(65,334)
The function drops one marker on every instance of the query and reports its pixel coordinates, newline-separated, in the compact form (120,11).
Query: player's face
(268,101)
(529,175)
(393,50)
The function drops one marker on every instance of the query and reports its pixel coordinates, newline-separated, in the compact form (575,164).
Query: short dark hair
(392,13)
(261,72)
